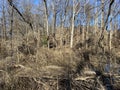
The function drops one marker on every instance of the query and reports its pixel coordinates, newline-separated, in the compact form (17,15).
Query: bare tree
(4,21)
(102,15)
(11,29)
(46,16)
(63,16)
(111,30)
(75,10)
(103,24)
(85,20)
(46,20)
(96,16)
(55,9)
(88,19)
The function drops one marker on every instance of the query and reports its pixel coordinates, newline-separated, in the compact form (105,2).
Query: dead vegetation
(59,45)
(59,68)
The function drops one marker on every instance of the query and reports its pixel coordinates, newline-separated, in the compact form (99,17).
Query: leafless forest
(59,44)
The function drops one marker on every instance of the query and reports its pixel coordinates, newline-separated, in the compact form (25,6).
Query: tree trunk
(83,33)
(4,22)
(110,35)
(96,18)
(72,31)
(54,21)
(46,20)
(102,16)
(61,31)
(102,29)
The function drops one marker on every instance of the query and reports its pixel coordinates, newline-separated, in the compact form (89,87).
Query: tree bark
(4,22)
(72,31)
(110,34)
(46,17)
(96,18)
(46,20)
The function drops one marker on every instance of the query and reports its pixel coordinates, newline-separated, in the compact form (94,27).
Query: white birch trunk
(72,31)
(110,37)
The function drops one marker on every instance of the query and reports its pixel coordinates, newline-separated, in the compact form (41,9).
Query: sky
(90,1)
(37,1)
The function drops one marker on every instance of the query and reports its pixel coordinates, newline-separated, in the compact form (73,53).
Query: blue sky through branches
(92,2)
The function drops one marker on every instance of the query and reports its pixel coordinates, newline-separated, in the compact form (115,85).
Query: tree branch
(11,4)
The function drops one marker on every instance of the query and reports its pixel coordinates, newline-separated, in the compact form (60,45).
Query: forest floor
(60,68)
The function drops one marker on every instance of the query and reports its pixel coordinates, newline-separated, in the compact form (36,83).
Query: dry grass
(46,65)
